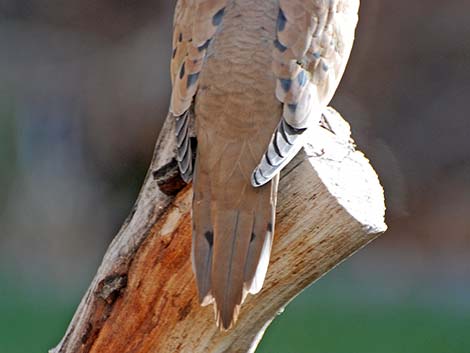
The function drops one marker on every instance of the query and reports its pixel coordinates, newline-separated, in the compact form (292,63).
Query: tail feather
(235,261)
(232,239)
(261,242)
(203,237)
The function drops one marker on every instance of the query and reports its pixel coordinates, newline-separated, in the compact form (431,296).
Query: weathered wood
(143,297)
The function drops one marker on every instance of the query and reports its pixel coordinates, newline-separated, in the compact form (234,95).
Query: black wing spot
(281,21)
(209,237)
(268,160)
(293,130)
(192,78)
(217,18)
(193,142)
(253,236)
(283,133)
(276,147)
(281,47)
(270,227)
(182,70)
(292,107)
(302,78)
(255,179)
(286,84)
(204,46)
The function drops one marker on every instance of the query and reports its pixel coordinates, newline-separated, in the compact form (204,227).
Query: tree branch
(143,297)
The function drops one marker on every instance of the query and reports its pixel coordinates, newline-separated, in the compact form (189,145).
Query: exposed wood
(143,297)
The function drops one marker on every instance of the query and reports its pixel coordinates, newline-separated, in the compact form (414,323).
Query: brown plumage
(238,68)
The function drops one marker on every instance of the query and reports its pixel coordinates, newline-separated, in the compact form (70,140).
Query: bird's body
(236,113)
(240,67)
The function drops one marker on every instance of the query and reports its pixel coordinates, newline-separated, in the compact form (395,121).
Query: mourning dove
(251,76)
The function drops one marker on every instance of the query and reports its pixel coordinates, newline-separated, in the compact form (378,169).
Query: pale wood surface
(143,297)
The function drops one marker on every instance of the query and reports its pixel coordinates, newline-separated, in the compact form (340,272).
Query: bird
(249,78)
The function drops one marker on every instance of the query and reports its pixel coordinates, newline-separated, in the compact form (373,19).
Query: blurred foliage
(318,323)
(32,319)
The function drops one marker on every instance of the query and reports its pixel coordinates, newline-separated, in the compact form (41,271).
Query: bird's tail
(232,238)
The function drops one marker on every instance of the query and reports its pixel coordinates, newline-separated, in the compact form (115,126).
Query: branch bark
(143,297)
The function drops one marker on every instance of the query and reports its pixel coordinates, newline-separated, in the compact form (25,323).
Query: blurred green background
(355,316)
(84,88)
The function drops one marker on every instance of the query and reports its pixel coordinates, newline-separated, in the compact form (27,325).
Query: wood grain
(143,297)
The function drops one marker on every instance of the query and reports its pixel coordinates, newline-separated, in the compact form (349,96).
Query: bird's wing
(313,44)
(195,23)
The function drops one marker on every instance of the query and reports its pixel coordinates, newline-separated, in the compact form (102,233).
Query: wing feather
(195,23)
(313,43)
